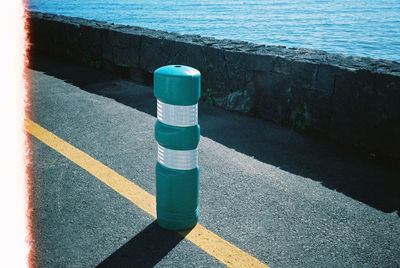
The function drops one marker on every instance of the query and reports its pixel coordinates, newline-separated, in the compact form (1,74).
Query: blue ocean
(362,28)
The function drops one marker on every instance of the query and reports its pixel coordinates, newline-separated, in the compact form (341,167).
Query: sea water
(364,28)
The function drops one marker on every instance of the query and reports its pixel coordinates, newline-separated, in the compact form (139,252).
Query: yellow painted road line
(123,186)
(222,250)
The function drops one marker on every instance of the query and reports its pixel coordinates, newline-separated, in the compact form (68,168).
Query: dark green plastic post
(177,89)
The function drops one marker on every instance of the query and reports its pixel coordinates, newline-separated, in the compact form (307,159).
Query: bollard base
(177,196)
(177,222)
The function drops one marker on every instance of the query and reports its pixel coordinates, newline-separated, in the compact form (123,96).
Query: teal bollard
(177,89)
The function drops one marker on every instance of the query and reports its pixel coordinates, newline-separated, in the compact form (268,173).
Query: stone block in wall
(152,55)
(386,132)
(320,110)
(58,31)
(236,68)
(66,40)
(325,80)
(280,64)
(121,56)
(121,48)
(129,55)
(387,87)
(283,99)
(118,39)
(194,56)
(273,95)
(38,32)
(90,41)
(72,35)
(356,107)
(54,39)
(310,109)
(171,50)
(215,72)
(106,46)
(303,74)
(175,52)
(42,36)
(258,62)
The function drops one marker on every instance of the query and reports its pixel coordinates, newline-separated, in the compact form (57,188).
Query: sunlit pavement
(288,199)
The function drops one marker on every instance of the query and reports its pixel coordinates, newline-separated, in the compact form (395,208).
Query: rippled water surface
(369,28)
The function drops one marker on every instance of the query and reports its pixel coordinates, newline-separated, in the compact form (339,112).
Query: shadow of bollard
(146,249)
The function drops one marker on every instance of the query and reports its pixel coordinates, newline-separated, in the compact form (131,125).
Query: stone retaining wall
(351,100)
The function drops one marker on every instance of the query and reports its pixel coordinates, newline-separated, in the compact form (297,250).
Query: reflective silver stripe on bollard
(177,159)
(179,116)
(176,115)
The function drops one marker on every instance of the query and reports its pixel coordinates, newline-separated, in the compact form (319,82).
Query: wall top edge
(311,56)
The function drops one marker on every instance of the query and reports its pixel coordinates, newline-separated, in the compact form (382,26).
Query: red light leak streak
(29,182)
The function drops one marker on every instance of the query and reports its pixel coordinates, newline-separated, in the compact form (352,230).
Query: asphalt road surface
(286,198)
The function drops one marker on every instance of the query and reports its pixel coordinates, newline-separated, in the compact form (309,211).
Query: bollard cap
(177,85)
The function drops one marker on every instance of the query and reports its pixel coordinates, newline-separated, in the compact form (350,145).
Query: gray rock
(242,100)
